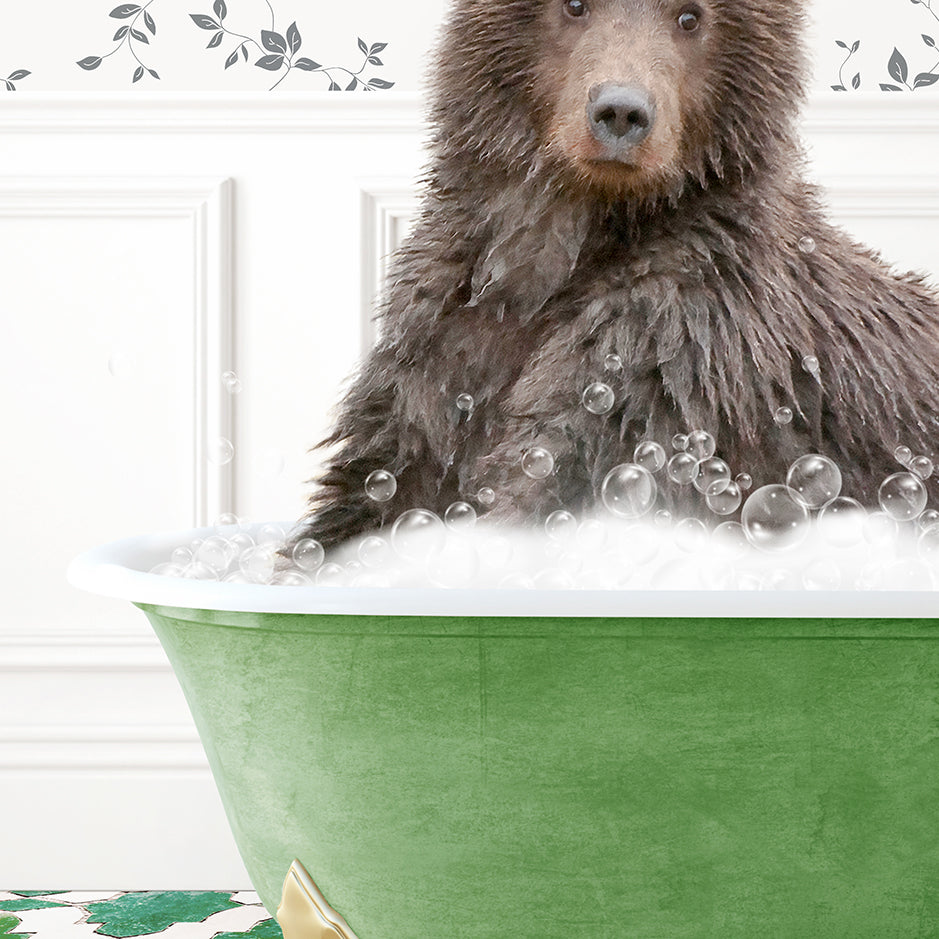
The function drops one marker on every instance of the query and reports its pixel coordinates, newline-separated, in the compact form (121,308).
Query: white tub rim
(120,570)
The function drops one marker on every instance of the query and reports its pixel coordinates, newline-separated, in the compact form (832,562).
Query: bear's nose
(620,116)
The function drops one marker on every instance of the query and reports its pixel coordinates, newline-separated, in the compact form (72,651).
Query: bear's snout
(620,116)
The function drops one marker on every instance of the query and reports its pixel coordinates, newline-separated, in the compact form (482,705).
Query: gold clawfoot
(304,913)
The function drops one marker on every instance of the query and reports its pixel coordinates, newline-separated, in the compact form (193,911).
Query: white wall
(151,241)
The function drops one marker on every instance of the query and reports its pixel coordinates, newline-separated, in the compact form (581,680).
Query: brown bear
(623,178)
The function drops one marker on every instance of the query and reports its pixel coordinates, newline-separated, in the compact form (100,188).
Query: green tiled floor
(176,914)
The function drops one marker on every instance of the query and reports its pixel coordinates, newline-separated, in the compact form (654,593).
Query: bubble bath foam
(451,767)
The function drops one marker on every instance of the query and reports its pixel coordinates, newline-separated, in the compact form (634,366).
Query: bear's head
(628,98)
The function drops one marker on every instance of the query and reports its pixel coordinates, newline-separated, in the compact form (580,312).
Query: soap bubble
(928,544)
(537,463)
(486,496)
(460,516)
(841,522)
(744,481)
(215,553)
(592,534)
(928,519)
(730,539)
(903,455)
(663,518)
(822,574)
(197,571)
(815,479)
(774,519)
(168,569)
(308,554)
(417,534)
(628,490)
(613,363)
(806,244)
(701,444)
(811,365)
(783,416)
(221,451)
(380,486)
(226,520)
(680,442)
(374,552)
(902,496)
(270,535)
(231,382)
(682,468)
(725,501)
(711,476)
(258,563)
(649,455)
(455,564)
(465,402)
(598,398)
(181,556)
(290,579)
(269,463)
(903,574)
(691,535)
(880,530)
(330,575)
(922,466)
(560,525)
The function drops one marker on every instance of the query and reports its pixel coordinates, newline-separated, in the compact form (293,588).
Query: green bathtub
(611,765)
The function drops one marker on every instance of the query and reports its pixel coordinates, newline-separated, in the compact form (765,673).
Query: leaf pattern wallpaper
(872,46)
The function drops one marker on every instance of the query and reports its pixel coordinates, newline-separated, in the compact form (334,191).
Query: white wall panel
(94,732)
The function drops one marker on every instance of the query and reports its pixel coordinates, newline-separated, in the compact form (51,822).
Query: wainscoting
(151,245)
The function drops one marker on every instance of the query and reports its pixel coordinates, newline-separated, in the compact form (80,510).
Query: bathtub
(493,763)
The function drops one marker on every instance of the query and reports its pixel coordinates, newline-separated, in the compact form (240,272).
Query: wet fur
(523,274)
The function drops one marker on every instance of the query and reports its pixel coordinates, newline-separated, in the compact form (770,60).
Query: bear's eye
(575,8)
(689,19)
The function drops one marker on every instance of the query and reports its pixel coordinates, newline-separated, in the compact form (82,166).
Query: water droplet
(465,402)
(649,455)
(682,468)
(774,519)
(811,365)
(680,442)
(486,496)
(613,363)
(380,486)
(922,466)
(460,516)
(807,244)
(560,525)
(122,365)
(231,382)
(711,476)
(628,491)
(701,444)
(598,398)
(726,501)
(815,479)
(783,416)
(902,496)
(220,451)
(417,534)
(744,481)
(308,554)
(903,455)
(537,463)
(841,522)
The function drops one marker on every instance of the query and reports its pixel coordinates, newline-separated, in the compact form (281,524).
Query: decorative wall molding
(884,196)
(387,208)
(388,112)
(206,205)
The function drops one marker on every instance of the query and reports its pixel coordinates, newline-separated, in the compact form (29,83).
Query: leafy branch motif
(126,36)
(279,51)
(14,77)
(856,81)
(900,71)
